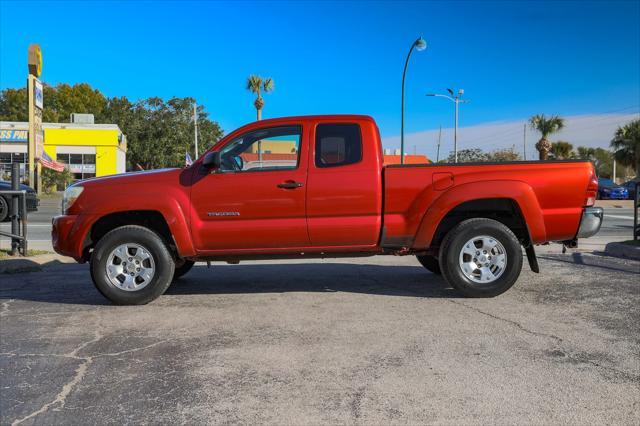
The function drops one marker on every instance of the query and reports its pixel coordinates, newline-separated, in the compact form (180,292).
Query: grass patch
(4,253)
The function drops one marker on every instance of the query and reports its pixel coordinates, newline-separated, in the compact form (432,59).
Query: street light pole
(419,45)
(456,100)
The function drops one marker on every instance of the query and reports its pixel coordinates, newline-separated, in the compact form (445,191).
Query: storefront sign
(34,60)
(39,94)
(14,135)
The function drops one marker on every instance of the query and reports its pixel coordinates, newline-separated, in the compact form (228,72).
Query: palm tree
(546,126)
(257,85)
(562,150)
(626,143)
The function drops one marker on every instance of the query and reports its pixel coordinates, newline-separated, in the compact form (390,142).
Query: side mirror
(212,161)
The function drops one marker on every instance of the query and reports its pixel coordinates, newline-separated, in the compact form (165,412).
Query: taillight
(592,191)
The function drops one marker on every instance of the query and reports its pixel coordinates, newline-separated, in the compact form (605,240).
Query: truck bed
(551,191)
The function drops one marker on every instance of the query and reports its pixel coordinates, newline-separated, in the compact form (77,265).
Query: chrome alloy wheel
(483,259)
(130,267)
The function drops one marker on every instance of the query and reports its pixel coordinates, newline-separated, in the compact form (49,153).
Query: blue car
(631,187)
(607,190)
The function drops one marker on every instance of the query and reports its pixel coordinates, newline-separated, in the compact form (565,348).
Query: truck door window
(275,148)
(338,145)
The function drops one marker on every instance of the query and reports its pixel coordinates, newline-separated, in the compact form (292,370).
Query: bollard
(15,228)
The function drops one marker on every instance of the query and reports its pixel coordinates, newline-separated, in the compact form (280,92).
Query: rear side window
(338,145)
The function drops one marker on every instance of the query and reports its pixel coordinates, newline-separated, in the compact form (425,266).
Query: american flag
(48,162)
(187,160)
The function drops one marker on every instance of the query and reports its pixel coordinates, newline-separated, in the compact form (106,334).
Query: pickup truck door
(257,198)
(344,197)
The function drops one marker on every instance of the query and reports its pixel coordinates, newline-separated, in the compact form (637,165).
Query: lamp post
(456,100)
(419,45)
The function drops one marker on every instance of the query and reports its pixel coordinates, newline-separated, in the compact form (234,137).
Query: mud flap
(531,257)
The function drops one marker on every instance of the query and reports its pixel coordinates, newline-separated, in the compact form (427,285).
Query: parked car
(5,201)
(315,186)
(630,186)
(608,190)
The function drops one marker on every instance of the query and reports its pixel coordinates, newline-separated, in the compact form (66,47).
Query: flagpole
(195,124)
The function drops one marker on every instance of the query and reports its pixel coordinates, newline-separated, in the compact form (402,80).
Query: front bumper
(67,235)
(590,222)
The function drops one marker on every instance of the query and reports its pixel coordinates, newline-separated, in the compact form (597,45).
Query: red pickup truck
(316,186)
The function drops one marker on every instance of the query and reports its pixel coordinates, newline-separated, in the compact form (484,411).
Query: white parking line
(619,217)
(30,225)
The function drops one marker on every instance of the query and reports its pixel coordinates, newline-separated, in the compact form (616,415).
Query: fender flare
(173,214)
(517,191)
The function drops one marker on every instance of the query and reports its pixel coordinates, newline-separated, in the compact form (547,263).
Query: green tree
(52,180)
(506,154)
(474,155)
(546,127)
(601,158)
(626,143)
(562,150)
(158,132)
(257,85)
(59,101)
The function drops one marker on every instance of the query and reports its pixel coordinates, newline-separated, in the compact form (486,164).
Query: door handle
(290,184)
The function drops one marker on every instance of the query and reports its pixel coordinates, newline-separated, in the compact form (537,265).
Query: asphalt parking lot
(372,341)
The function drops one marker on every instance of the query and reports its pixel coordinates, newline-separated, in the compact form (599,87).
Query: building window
(82,166)
(338,145)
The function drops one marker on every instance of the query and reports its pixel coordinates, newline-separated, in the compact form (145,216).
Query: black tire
(150,241)
(4,209)
(452,247)
(430,263)
(185,266)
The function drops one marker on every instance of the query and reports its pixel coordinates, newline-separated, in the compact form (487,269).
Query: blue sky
(514,59)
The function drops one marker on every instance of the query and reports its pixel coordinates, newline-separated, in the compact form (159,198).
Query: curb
(625,251)
(18,265)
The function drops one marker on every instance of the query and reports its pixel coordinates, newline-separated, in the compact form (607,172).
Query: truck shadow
(413,281)
(71,283)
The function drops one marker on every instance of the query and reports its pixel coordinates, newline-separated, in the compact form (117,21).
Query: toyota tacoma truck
(316,186)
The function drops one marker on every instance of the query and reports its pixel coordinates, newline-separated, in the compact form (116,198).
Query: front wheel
(481,258)
(131,265)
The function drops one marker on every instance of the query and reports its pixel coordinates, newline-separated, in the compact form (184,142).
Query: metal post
(524,142)
(15,200)
(439,137)
(455,133)
(195,124)
(404,73)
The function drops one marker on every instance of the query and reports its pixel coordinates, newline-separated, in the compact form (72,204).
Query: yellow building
(87,149)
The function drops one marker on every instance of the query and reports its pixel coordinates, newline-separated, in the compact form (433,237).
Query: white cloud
(580,130)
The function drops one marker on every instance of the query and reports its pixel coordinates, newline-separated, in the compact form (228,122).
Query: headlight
(70,196)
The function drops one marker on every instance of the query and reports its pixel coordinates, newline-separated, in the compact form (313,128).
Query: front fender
(519,192)
(169,204)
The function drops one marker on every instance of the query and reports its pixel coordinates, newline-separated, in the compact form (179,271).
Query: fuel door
(442,181)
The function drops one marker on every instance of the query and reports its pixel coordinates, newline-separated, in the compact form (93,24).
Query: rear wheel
(131,265)
(430,263)
(481,258)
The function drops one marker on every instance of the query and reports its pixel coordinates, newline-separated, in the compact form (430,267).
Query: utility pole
(613,178)
(195,125)
(524,142)
(439,138)
(455,98)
